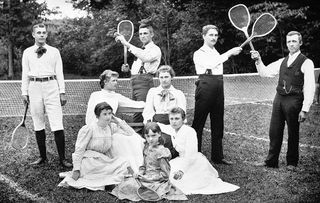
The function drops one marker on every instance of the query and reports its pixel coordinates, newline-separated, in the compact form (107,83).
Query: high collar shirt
(307,68)
(49,64)
(157,104)
(113,99)
(209,58)
(149,57)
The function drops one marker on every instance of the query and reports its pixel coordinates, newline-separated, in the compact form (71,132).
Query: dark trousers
(140,86)
(209,98)
(285,109)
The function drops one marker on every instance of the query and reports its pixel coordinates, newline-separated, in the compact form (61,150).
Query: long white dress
(129,147)
(99,165)
(200,177)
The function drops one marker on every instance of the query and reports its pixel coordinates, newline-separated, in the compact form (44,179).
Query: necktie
(142,69)
(165,94)
(40,51)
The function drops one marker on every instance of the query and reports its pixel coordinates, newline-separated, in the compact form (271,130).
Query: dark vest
(291,79)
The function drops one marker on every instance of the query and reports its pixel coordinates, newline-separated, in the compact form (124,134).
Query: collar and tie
(40,51)
(164,94)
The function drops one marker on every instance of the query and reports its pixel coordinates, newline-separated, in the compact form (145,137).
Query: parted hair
(155,128)
(148,26)
(178,110)
(295,33)
(100,107)
(106,75)
(206,28)
(42,25)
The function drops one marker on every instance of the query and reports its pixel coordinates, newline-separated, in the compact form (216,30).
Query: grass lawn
(245,142)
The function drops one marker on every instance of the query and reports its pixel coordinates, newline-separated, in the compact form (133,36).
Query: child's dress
(157,168)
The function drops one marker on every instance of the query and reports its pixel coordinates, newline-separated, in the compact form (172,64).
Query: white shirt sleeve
(203,61)
(25,70)
(309,84)
(90,110)
(269,71)
(189,149)
(146,55)
(83,139)
(127,102)
(59,71)
(148,111)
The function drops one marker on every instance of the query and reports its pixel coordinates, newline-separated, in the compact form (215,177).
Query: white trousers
(45,98)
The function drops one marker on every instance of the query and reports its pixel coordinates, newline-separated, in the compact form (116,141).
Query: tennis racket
(240,18)
(143,192)
(20,135)
(261,27)
(125,28)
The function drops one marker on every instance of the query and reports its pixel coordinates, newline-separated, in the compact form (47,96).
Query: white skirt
(200,177)
(97,170)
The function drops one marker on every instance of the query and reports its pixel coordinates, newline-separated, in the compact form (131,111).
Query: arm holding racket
(234,51)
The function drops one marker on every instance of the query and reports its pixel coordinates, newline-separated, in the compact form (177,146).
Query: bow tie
(164,94)
(40,51)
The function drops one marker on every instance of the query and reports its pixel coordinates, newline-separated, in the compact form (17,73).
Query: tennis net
(238,88)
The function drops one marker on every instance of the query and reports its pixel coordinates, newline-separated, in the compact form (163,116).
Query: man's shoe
(222,161)
(39,161)
(263,164)
(291,168)
(65,163)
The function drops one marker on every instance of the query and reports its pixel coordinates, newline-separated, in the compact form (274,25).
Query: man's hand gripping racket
(124,32)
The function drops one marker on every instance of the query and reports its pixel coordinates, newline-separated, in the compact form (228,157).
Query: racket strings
(20,137)
(125,28)
(264,25)
(239,16)
(147,194)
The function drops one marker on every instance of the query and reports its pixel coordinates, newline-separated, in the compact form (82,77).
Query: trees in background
(87,44)
(16,17)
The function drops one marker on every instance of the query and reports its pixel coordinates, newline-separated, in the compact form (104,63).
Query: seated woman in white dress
(94,165)
(129,147)
(162,98)
(191,172)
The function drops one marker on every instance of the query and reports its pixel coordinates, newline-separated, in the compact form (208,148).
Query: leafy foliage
(87,44)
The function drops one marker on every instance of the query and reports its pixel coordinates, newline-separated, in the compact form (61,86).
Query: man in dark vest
(295,92)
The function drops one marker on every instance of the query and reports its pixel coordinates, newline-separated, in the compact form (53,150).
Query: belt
(45,79)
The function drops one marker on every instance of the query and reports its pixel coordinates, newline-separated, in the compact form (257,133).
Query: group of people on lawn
(165,156)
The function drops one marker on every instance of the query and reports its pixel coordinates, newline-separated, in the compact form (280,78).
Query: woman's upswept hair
(165,68)
(106,75)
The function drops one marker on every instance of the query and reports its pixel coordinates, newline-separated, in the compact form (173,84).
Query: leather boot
(60,142)
(41,141)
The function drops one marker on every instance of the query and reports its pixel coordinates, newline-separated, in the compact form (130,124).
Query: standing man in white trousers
(44,89)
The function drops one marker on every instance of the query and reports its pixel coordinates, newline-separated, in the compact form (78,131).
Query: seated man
(129,147)
(191,172)
(162,98)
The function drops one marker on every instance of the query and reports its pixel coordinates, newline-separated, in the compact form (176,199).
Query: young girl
(154,174)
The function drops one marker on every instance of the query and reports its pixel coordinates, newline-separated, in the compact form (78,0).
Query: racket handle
(251,46)
(246,42)
(25,112)
(250,43)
